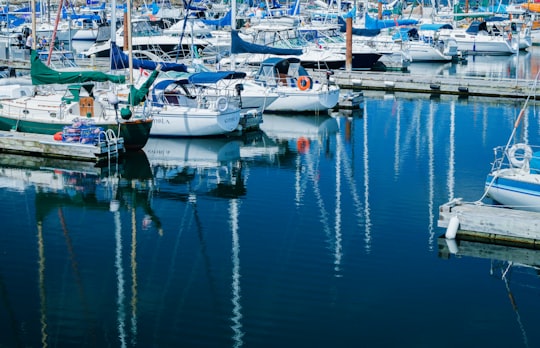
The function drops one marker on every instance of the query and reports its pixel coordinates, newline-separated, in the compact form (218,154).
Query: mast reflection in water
(316,231)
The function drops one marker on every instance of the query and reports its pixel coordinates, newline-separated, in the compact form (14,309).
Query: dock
(463,86)
(44,145)
(494,224)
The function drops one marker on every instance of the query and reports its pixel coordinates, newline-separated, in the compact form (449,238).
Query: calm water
(317,232)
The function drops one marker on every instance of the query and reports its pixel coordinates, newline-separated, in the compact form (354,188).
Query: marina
(163,200)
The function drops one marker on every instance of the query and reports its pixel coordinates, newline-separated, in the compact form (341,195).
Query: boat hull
(193,122)
(512,188)
(305,101)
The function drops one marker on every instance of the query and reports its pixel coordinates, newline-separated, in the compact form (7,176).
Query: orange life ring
(302,145)
(303,83)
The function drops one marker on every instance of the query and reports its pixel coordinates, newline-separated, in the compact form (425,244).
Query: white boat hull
(193,122)
(514,188)
(294,100)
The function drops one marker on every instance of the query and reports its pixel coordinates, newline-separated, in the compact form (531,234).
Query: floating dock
(463,86)
(45,145)
(491,223)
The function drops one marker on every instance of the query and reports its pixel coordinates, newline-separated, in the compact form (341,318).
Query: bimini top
(282,65)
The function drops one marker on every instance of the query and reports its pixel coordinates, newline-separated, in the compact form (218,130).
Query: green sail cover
(43,75)
(137,96)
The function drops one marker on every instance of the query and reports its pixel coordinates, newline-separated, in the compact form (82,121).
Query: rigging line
(512,135)
(180,47)
(514,305)
(74,263)
(349,175)
(172,268)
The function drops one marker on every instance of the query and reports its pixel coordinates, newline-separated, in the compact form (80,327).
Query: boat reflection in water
(183,167)
(58,182)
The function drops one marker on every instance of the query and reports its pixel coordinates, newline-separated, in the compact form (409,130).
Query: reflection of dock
(492,223)
(501,252)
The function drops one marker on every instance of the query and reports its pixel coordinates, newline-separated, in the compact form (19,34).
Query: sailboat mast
(127,26)
(33,10)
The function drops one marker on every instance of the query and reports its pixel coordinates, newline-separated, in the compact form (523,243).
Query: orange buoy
(303,83)
(57,136)
(302,145)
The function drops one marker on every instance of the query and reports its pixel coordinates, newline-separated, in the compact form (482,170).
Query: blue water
(320,231)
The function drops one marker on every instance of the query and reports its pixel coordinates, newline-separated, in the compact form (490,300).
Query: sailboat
(67,99)
(514,179)
(49,111)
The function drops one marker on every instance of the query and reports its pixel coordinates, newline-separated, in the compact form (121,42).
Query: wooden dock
(492,223)
(45,145)
(463,86)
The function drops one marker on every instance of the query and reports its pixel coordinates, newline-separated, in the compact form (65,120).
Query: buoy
(451,230)
(57,136)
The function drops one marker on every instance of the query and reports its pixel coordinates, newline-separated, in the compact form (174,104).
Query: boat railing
(519,155)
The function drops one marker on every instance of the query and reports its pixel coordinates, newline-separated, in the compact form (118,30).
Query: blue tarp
(240,46)
(120,60)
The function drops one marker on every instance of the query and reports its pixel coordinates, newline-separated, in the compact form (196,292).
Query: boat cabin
(282,71)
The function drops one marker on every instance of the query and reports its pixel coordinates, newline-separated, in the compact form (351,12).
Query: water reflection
(184,167)
(521,66)
(57,187)
(245,241)
(516,267)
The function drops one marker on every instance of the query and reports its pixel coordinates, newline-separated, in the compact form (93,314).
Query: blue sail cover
(120,60)
(373,23)
(214,76)
(240,46)
(220,22)
(435,26)
(357,31)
